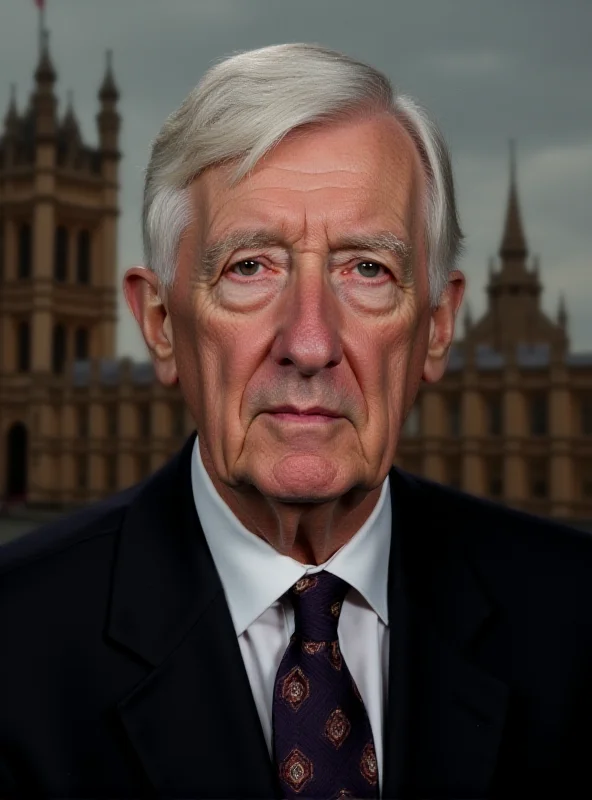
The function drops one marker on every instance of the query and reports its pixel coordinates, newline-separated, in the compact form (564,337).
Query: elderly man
(278,612)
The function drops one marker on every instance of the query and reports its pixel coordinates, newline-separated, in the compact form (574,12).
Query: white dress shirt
(256,577)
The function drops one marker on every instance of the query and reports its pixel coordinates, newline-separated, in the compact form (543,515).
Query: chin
(295,483)
(302,495)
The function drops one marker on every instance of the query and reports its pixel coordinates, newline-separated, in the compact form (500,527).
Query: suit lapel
(444,714)
(192,721)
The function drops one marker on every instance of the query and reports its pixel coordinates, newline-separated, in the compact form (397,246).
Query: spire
(108,91)
(69,133)
(43,100)
(70,123)
(11,119)
(562,312)
(513,246)
(45,73)
(12,128)
(108,120)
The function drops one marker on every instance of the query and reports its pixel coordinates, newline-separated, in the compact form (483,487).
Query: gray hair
(245,105)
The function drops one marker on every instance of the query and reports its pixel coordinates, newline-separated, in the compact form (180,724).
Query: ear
(442,321)
(145,300)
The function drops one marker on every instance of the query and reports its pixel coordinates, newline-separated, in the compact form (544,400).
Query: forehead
(356,172)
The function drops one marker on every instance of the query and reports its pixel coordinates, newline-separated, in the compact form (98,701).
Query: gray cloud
(487,71)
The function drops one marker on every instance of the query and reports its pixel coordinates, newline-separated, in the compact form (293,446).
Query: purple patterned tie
(323,745)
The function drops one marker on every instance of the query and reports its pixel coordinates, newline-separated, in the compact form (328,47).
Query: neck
(310,533)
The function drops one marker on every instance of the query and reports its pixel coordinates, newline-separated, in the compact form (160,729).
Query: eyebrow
(252,239)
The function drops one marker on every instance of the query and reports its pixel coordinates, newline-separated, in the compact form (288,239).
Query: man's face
(300,318)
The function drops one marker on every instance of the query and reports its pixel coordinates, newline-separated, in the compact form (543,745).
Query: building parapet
(112,372)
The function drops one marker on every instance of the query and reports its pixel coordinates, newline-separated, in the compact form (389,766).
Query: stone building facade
(511,420)
(75,422)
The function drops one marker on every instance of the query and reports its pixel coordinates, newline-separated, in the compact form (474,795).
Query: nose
(309,331)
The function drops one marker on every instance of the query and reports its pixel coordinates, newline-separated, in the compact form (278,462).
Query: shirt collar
(254,575)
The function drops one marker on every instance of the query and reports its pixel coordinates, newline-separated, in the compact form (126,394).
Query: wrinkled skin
(300,322)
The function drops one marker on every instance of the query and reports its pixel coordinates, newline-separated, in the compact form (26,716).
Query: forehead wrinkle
(341,171)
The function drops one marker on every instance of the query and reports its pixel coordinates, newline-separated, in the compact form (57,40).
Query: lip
(317,411)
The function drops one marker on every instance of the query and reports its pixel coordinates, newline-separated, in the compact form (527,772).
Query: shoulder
(486,527)
(78,551)
(67,536)
(533,566)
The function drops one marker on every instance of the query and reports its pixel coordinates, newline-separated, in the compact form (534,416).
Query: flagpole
(41,7)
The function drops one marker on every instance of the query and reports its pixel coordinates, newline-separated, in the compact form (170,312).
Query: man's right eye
(248,264)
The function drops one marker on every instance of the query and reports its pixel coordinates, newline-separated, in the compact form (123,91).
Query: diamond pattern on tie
(322,739)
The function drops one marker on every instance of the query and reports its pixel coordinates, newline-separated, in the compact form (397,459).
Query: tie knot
(317,601)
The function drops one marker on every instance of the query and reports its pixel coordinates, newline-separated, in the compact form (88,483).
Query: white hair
(246,104)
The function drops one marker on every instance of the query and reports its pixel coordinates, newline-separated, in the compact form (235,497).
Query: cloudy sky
(488,71)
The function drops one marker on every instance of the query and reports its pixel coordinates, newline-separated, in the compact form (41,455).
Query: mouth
(304,419)
(309,416)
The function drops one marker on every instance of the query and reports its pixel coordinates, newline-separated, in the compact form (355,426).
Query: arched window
(143,466)
(82,470)
(83,260)
(60,254)
(111,472)
(25,252)
(24,347)
(495,415)
(58,355)
(144,421)
(454,416)
(538,414)
(81,344)
(82,421)
(454,470)
(495,477)
(112,420)
(539,478)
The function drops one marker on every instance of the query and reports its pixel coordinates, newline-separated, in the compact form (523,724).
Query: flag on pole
(40,4)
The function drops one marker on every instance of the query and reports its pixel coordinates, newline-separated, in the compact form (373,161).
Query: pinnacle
(108,90)
(513,246)
(45,72)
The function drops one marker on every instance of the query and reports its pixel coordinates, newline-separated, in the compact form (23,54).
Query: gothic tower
(58,259)
(514,316)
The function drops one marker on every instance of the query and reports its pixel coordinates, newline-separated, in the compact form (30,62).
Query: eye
(247,268)
(248,265)
(371,266)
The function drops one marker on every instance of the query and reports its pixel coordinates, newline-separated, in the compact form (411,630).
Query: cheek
(193,357)
(405,362)
(415,367)
(216,362)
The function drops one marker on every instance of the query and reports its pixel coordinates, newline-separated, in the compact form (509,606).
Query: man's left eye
(250,265)
(371,266)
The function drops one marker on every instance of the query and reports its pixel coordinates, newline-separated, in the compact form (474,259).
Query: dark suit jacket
(121,673)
